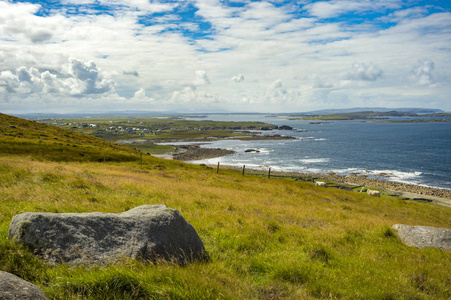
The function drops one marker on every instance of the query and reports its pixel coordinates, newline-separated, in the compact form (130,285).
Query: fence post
(244,167)
(269,173)
(217,170)
(141,159)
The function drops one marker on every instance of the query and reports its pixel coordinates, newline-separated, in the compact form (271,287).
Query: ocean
(415,153)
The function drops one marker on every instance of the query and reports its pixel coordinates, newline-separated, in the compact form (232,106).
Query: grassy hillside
(23,137)
(267,239)
(120,128)
(150,130)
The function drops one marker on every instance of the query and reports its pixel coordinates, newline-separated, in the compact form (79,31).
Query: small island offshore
(83,198)
(382,117)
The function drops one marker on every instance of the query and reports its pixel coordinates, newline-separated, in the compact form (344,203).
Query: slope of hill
(266,238)
(24,137)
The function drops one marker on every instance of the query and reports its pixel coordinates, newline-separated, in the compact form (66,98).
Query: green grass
(39,141)
(153,148)
(164,128)
(266,239)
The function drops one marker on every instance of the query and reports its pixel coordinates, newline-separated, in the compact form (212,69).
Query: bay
(416,153)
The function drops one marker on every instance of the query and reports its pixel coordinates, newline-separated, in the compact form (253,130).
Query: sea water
(417,153)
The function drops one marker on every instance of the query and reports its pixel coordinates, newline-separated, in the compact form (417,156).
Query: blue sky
(210,55)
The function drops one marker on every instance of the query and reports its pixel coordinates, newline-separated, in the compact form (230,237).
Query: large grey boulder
(13,287)
(149,232)
(424,236)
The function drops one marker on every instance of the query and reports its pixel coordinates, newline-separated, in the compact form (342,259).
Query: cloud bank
(280,56)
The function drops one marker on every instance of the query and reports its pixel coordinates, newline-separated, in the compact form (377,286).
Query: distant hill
(23,137)
(373,109)
(124,113)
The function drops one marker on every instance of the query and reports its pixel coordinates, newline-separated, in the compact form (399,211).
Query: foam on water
(314,160)
(396,174)
(264,151)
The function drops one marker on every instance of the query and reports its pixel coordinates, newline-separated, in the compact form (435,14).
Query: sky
(223,56)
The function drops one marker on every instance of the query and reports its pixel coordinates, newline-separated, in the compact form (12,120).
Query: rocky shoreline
(390,185)
(408,191)
(195,152)
(397,188)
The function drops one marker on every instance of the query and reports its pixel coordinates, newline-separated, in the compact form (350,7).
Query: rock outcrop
(13,287)
(285,127)
(424,236)
(149,232)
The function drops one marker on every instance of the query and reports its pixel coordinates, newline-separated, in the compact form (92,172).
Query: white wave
(314,160)
(321,139)
(395,174)
(314,171)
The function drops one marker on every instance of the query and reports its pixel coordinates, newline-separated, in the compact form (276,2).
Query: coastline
(402,190)
(406,191)
(253,137)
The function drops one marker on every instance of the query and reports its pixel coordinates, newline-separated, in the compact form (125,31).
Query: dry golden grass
(267,239)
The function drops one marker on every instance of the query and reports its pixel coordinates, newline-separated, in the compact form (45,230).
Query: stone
(148,232)
(424,236)
(252,150)
(13,287)
(285,127)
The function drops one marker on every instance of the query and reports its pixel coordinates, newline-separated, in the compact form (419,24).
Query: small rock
(13,287)
(252,150)
(424,236)
(285,127)
(149,232)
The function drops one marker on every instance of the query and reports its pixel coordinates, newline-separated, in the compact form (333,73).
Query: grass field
(120,128)
(266,238)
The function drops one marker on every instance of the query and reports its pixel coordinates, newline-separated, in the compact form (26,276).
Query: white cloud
(399,15)
(277,45)
(367,72)
(88,77)
(141,93)
(19,22)
(277,88)
(334,8)
(278,93)
(201,78)
(323,84)
(238,78)
(79,78)
(265,13)
(141,6)
(422,72)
